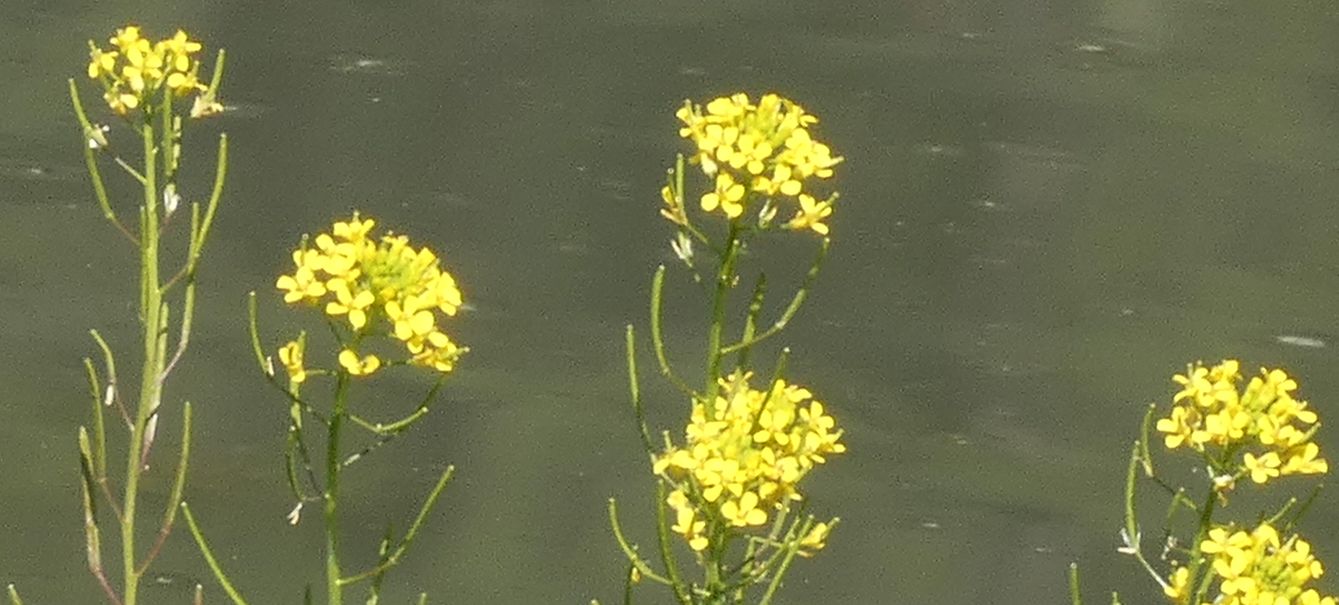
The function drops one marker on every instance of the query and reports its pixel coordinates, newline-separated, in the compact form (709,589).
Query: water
(1047,209)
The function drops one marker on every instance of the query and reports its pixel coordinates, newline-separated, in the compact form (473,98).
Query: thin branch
(751,318)
(394,558)
(657,338)
(791,309)
(635,392)
(666,549)
(92,535)
(400,425)
(266,368)
(629,550)
(91,139)
(178,484)
(109,361)
(99,449)
(209,557)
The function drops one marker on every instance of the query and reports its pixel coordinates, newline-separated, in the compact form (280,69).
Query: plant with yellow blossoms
(140,81)
(135,71)
(385,302)
(1235,429)
(731,490)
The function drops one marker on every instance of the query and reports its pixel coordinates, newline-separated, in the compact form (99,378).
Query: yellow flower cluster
(137,69)
(745,453)
(1259,568)
(762,148)
(367,281)
(1210,410)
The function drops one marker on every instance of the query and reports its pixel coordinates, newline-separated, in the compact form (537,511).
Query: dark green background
(1048,207)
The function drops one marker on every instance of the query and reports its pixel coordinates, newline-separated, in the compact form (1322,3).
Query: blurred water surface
(1047,208)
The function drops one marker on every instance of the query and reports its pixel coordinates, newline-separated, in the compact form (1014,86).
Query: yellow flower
(746,453)
(816,539)
(1262,567)
(811,215)
(726,196)
(138,69)
(748,148)
(1262,468)
(1177,586)
(180,46)
(1305,459)
(1262,426)
(291,356)
(368,278)
(744,511)
(346,302)
(101,62)
(348,358)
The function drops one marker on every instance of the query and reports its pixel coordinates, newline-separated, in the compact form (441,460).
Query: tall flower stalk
(145,85)
(383,300)
(731,491)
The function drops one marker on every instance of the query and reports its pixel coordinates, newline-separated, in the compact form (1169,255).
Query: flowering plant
(368,289)
(140,81)
(732,489)
(1260,430)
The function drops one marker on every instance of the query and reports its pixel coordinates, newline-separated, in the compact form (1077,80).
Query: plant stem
(724,280)
(151,302)
(334,593)
(1196,557)
(209,556)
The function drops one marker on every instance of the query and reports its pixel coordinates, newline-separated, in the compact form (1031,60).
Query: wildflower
(764,148)
(291,356)
(744,456)
(137,70)
(1178,586)
(816,539)
(727,196)
(348,358)
(811,214)
(303,284)
(379,285)
(1265,430)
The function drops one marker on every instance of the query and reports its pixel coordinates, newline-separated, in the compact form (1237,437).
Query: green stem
(1074,595)
(724,281)
(151,303)
(635,392)
(178,484)
(681,592)
(629,550)
(209,557)
(391,560)
(91,134)
(657,336)
(792,548)
(334,592)
(1196,557)
(792,308)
